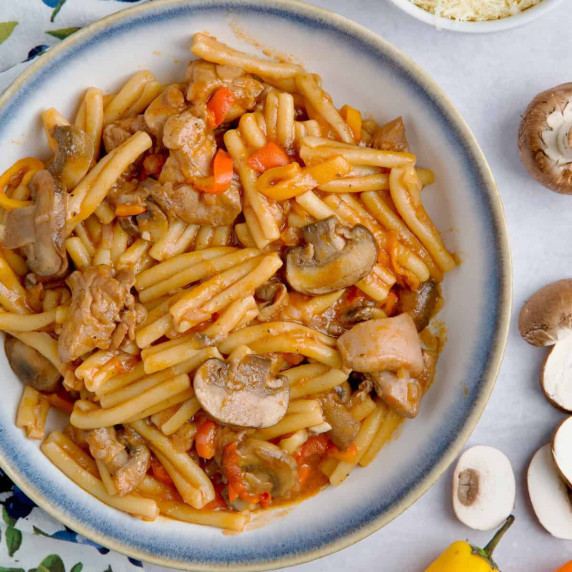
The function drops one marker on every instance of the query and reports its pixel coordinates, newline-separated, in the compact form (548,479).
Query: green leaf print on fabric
(52,563)
(77,567)
(13,540)
(6,29)
(57,10)
(7,518)
(2,569)
(63,33)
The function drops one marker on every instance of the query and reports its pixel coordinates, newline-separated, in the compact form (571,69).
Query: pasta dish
(224,284)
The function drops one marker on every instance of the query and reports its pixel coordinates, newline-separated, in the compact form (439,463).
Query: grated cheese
(475,10)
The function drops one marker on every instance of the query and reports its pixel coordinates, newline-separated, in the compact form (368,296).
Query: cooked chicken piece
(40,228)
(170,102)
(118,132)
(97,306)
(205,78)
(192,147)
(193,207)
(385,344)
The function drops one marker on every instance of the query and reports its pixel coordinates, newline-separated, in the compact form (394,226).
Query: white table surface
(490,78)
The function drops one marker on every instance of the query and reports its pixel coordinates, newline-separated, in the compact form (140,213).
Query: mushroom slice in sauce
(244,394)
(31,367)
(73,156)
(385,344)
(265,467)
(420,303)
(391,136)
(344,427)
(334,257)
(40,228)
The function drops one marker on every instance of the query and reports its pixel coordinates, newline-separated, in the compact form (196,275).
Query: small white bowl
(476,27)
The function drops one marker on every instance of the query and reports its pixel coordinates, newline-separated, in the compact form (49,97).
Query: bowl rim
(498,342)
(487,26)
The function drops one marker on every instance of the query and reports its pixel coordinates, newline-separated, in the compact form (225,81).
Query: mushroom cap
(562,450)
(244,394)
(484,488)
(31,367)
(549,495)
(556,373)
(333,258)
(546,316)
(420,303)
(538,138)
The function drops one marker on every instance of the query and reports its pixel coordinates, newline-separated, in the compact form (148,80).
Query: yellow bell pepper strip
(25,167)
(353,119)
(566,568)
(463,557)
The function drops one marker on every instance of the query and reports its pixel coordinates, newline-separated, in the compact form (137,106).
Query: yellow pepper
(462,557)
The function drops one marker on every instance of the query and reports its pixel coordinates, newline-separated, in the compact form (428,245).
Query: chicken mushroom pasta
(225,283)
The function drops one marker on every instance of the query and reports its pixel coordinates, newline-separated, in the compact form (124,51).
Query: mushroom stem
(490,547)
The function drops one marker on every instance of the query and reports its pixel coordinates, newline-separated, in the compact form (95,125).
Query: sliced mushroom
(31,367)
(244,393)
(74,155)
(40,228)
(545,138)
(549,495)
(265,468)
(333,258)
(484,488)
(275,299)
(386,344)
(546,316)
(420,303)
(344,427)
(555,375)
(562,450)
(391,136)
(153,223)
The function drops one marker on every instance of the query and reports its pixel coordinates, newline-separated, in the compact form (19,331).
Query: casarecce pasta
(225,282)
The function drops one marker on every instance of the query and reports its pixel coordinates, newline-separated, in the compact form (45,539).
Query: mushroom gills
(556,375)
(484,488)
(549,495)
(334,257)
(244,393)
(546,316)
(74,155)
(31,367)
(421,303)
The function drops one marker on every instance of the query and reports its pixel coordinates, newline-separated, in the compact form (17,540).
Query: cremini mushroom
(484,488)
(390,344)
(153,223)
(74,155)
(420,303)
(546,316)
(545,138)
(243,393)
(555,375)
(334,257)
(549,495)
(39,229)
(562,450)
(391,136)
(31,367)
(264,467)
(344,428)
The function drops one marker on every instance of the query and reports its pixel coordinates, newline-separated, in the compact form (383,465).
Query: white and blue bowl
(358,68)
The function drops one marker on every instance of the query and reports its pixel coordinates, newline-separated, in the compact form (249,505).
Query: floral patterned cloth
(30,540)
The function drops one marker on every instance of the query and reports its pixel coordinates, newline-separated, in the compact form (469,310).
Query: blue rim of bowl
(483,27)
(490,351)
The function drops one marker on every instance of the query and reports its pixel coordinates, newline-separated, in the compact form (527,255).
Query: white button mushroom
(562,450)
(556,375)
(549,495)
(545,138)
(484,488)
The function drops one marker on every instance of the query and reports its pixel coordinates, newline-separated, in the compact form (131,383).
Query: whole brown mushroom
(545,138)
